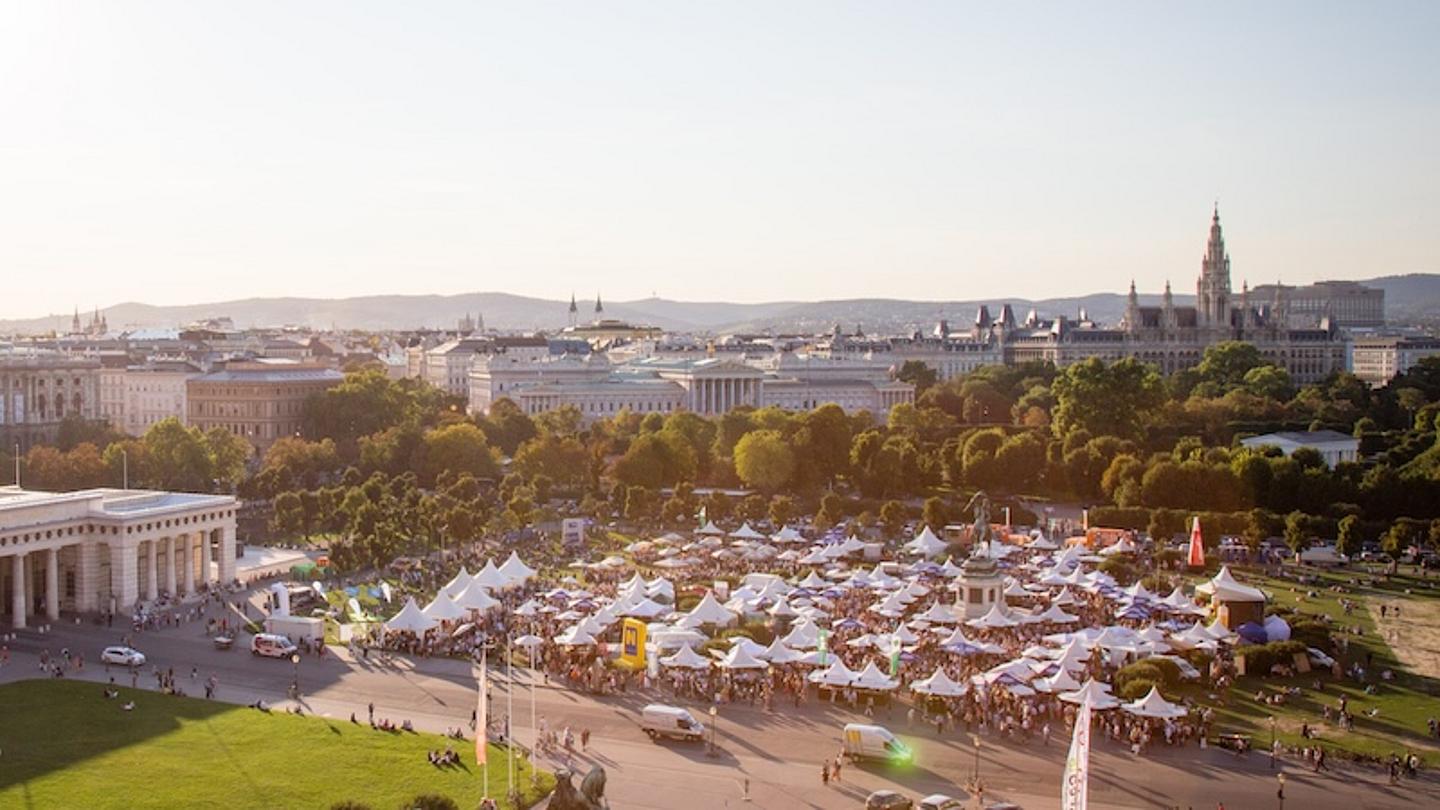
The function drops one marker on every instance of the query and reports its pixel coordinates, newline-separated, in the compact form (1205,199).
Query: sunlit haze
(184,152)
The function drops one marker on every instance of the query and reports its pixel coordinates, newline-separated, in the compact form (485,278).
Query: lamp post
(1280,793)
(976,739)
(714,721)
(1272,742)
(295,681)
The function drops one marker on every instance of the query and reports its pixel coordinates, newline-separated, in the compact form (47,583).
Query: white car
(939,801)
(124,656)
(1320,659)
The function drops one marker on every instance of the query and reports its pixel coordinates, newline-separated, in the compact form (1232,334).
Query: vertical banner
(1196,557)
(1075,784)
(822,643)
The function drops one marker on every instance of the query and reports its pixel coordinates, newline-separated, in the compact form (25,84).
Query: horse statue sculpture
(590,796)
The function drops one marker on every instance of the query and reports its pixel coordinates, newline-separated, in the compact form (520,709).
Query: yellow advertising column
(632,644)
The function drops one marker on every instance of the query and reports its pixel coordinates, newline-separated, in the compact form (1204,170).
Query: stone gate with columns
(108,550)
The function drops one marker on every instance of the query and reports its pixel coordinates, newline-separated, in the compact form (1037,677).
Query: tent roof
(476,597)
(1154,705)
(872,678)
(686,658)
(410,618)
(940,684)
(710,611)
(1226,588)
(442,609)
(515,569)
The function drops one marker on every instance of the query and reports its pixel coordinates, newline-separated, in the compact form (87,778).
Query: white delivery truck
(659,720)
(863,741)
(272,646)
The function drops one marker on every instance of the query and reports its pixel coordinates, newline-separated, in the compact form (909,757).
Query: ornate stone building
(39,390)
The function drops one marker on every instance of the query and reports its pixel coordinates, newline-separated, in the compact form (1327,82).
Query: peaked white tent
(443,609)
(1061,681)
(475,597)
(1155,705)
(710,529)
(515,569)
(490,577)
(574,637)
(1095,692)
(926,544)
(745,532)
(939,684)
(710,611)
(814,581)
(410,619)
(778,653)
(837,674)
(1225,587)
(781,609)
(805,635)
(686,658)
(872,678)
(786,535)
(995,618)
(646,608)
(938,614)
(1054,615)
(458,584)
(740,656)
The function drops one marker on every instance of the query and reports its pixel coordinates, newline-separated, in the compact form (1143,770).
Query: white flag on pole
(1075,785)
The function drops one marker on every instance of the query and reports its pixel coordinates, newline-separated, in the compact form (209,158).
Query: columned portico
(171,546)
(205,575)
(52,583)
(152,571)
(19,605)
(124,576)
(188,558)
(227,555)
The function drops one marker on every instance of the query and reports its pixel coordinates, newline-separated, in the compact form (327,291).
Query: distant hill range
(1413,298)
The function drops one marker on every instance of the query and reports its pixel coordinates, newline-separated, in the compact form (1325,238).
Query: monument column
(17,590)
(152,576)
(52,584)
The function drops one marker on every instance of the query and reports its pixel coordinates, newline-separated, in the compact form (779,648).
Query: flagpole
(534,752)
(483,720)
(509,718)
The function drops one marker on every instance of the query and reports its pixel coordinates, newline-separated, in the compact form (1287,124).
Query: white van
(659,720)
(271,646)
(863,741)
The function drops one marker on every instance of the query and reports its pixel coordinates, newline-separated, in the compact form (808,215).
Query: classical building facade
(1377,360)
(108,549)
(447,366)
(1348,304)
(259,401)
(38,390)
(155,392)
(703,385)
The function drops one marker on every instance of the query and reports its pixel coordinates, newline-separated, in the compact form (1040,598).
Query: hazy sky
(174,152)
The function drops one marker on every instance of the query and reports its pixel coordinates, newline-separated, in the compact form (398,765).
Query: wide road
(778,753)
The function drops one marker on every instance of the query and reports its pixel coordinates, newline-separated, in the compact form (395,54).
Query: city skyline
(175,155)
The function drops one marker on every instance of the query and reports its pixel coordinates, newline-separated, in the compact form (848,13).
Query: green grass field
(62,744)
(1401,706)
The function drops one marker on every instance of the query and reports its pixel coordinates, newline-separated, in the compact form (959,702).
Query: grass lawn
(65,745)
(1402,705)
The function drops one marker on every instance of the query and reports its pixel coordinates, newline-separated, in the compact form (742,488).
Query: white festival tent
(410,619)
(515,569)
(686,658)
(710,611)
(1226,588)
(1061,681)
(926,544)
(814,581)
(837,674)
(475,597)
(745,532)
(994,618)
(529,608)
(574,637)
(528,641)
(1095,692)
(939,684)
(872,678)
(741,657)
(646,608)
(786,535)
(1154,705)
(1218,629)
(458,584)
(1054,615)
(938,614)
(805,635)
(490,576)
(711,529)
(442,609)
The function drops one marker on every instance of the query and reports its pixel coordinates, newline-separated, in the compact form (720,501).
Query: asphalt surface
(776,754)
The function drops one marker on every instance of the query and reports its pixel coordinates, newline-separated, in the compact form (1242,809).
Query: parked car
(124,656)
(1320,659)
(939,801)
(659,720)
(888,800)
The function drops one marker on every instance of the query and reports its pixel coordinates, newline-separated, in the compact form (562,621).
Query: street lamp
(976,738)
(1272,742)
(1280,794)
(295,681)
(714,721)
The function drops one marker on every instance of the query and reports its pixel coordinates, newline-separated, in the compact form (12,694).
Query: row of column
(723,394)
(178,570)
